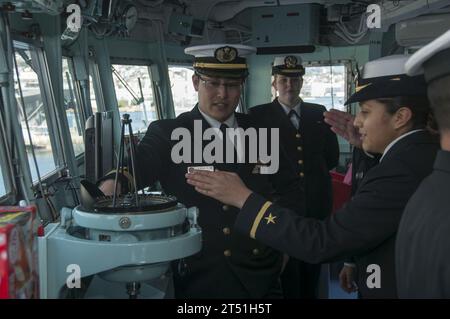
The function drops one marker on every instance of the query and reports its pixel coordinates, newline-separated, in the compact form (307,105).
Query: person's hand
(347,279)
(226,187)
(342,124)
(107,187)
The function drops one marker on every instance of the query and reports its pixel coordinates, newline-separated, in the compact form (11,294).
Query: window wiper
(72,105)
(26,59)
(136,99)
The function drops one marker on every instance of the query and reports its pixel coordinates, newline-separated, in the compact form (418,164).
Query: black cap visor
(290,72)
(391,86)
(220,73)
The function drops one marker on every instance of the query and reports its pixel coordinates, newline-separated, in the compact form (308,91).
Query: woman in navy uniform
(392,119)
(230,265)
(342,124)
(423,242)
(313,151)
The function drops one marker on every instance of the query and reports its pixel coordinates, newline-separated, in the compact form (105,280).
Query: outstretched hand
(342,124)
(226,187)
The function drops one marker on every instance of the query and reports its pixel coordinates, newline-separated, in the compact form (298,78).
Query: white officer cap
(386,77)
(221,60)
(433,59)
(290,65)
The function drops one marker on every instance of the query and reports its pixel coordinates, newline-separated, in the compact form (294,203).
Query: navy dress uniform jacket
(361,163)
(230,265)
(313,150)
(365,227)
(423,245)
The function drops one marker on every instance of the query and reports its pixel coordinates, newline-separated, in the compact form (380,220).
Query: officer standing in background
(423,242)
(313,151)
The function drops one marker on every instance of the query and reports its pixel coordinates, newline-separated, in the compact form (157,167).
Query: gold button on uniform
(227,253)
(298,135)
(225,207)
(255,251)
(301,175)
(226,231)
(300,162)
(299,148)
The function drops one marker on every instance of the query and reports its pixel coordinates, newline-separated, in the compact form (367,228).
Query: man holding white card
(229,265)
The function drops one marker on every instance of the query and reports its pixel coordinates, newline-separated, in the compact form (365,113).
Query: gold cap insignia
(360,87)
(225,54)
(290,61)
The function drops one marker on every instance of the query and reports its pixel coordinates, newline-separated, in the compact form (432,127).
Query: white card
(200,168)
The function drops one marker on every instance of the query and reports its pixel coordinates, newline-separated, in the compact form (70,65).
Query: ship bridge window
(2,185)
(183,92)
(72,107)
(133,86)
(6,170)
(33,112)
(5,180)
(325,85)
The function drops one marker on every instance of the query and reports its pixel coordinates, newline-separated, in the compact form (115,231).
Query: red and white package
(18,252)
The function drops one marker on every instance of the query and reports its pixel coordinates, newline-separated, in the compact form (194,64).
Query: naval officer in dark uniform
(230,265)
(313,151)
(342,123)
(423,240)
(392,119)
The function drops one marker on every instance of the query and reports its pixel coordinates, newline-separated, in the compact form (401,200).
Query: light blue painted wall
(129,49)
(145,50)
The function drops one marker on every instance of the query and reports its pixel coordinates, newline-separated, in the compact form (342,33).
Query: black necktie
(226,139)
(223,129)
(293,116)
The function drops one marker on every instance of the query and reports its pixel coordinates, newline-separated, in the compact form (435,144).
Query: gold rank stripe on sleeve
(219,66)
(258,218)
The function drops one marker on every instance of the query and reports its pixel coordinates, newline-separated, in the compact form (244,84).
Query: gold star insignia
(270,219)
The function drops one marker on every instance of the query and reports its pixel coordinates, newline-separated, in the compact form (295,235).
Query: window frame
(39,61)
(180,65)
(6,167)
(81,108)
(348,74)
(139,63)
(94,72)
(345,148)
